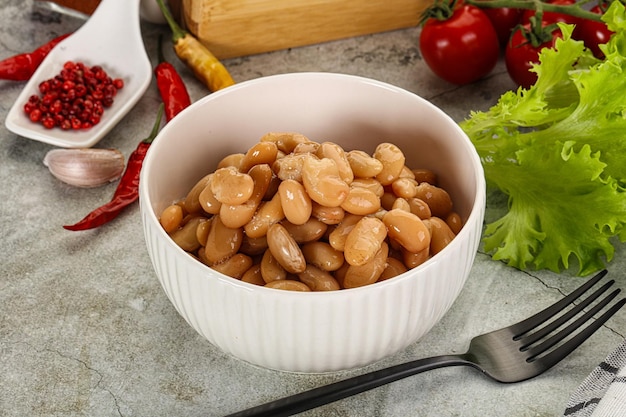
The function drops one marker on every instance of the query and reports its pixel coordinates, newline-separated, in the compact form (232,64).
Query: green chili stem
(155,127)
(177,31)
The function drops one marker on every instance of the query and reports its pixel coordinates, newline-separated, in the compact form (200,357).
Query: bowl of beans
(312,222)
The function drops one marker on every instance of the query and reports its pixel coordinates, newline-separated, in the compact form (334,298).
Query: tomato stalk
(440,10)
(572,10)
(536,33)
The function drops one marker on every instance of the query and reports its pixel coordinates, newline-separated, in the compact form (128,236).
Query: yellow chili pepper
(205,66)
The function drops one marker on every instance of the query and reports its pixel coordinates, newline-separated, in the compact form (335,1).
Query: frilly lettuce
(558,152)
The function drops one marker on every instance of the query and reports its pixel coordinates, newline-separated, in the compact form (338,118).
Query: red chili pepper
(22,66)
(127,191)
(171,87)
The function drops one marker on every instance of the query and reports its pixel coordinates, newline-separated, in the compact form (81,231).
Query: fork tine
(568,347)
(553,340)
(533,321)
(564,318)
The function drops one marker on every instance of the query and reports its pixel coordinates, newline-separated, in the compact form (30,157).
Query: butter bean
(437,198)
(363,165)
(387,200)
(310,231)
(171,218)
(404,187)
(199,255)
(202,231)
(285,249)
(232,160)
(238,215)
(253,275)
(455,222)
(307,147)
(406,173)
(207,199)
(185,237)
(361,201)
(271,269)
(272,189)
(419,208)
(230,186)
(288,285)
(441,235)
(393,161)
(268,213)
(222,242)
(322,181)
(322,255)
(337,238)
(235,266)
(371,184)
(415,259)
(340,274)
(425,175)
(191,203)
(290,166)
(328,215)
(364,240)
(407,229)
(285,141)
(335,152)
(260,153)
(295,202)
(318,280)
(253,246)
(369,272)
(401,204)
(394,268)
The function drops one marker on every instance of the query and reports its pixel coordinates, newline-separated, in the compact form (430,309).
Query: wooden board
(231,28)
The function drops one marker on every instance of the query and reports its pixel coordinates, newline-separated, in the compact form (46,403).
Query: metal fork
(512,354)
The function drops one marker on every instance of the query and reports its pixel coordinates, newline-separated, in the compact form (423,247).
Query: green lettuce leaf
(558,151)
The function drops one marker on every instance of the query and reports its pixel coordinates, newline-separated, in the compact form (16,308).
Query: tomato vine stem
(575,9)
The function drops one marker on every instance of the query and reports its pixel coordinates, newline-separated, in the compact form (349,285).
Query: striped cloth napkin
(603,392)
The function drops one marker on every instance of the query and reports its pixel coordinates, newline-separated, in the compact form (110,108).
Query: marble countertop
(86,330)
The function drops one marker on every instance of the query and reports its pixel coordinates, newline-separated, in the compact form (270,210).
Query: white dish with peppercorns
(87,83)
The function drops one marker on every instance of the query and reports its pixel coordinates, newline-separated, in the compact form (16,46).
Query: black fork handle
(327,394)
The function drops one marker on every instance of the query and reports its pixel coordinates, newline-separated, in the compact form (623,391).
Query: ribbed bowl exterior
(309,332)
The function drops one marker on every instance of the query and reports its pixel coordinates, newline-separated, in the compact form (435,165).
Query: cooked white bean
(369,272)
(392,159)
(323,182)
(295,201)
(364,240)
(285,249)
(407,229)
(318,280)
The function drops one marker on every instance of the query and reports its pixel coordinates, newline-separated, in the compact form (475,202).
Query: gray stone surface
(86,330)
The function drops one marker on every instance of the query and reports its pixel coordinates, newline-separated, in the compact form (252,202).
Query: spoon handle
(116,16)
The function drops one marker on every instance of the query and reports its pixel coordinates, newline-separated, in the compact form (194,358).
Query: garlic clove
(86,167)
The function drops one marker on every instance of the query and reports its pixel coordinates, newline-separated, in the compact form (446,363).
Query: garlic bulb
(85,167)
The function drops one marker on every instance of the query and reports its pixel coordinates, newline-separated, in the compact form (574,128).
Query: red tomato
(552,17)
(461,49)
(520,55)
(593,33)
(504,20)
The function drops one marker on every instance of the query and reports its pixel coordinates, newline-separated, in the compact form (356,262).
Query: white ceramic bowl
(311,332)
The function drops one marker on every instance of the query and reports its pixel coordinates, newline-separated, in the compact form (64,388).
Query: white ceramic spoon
(110,38)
